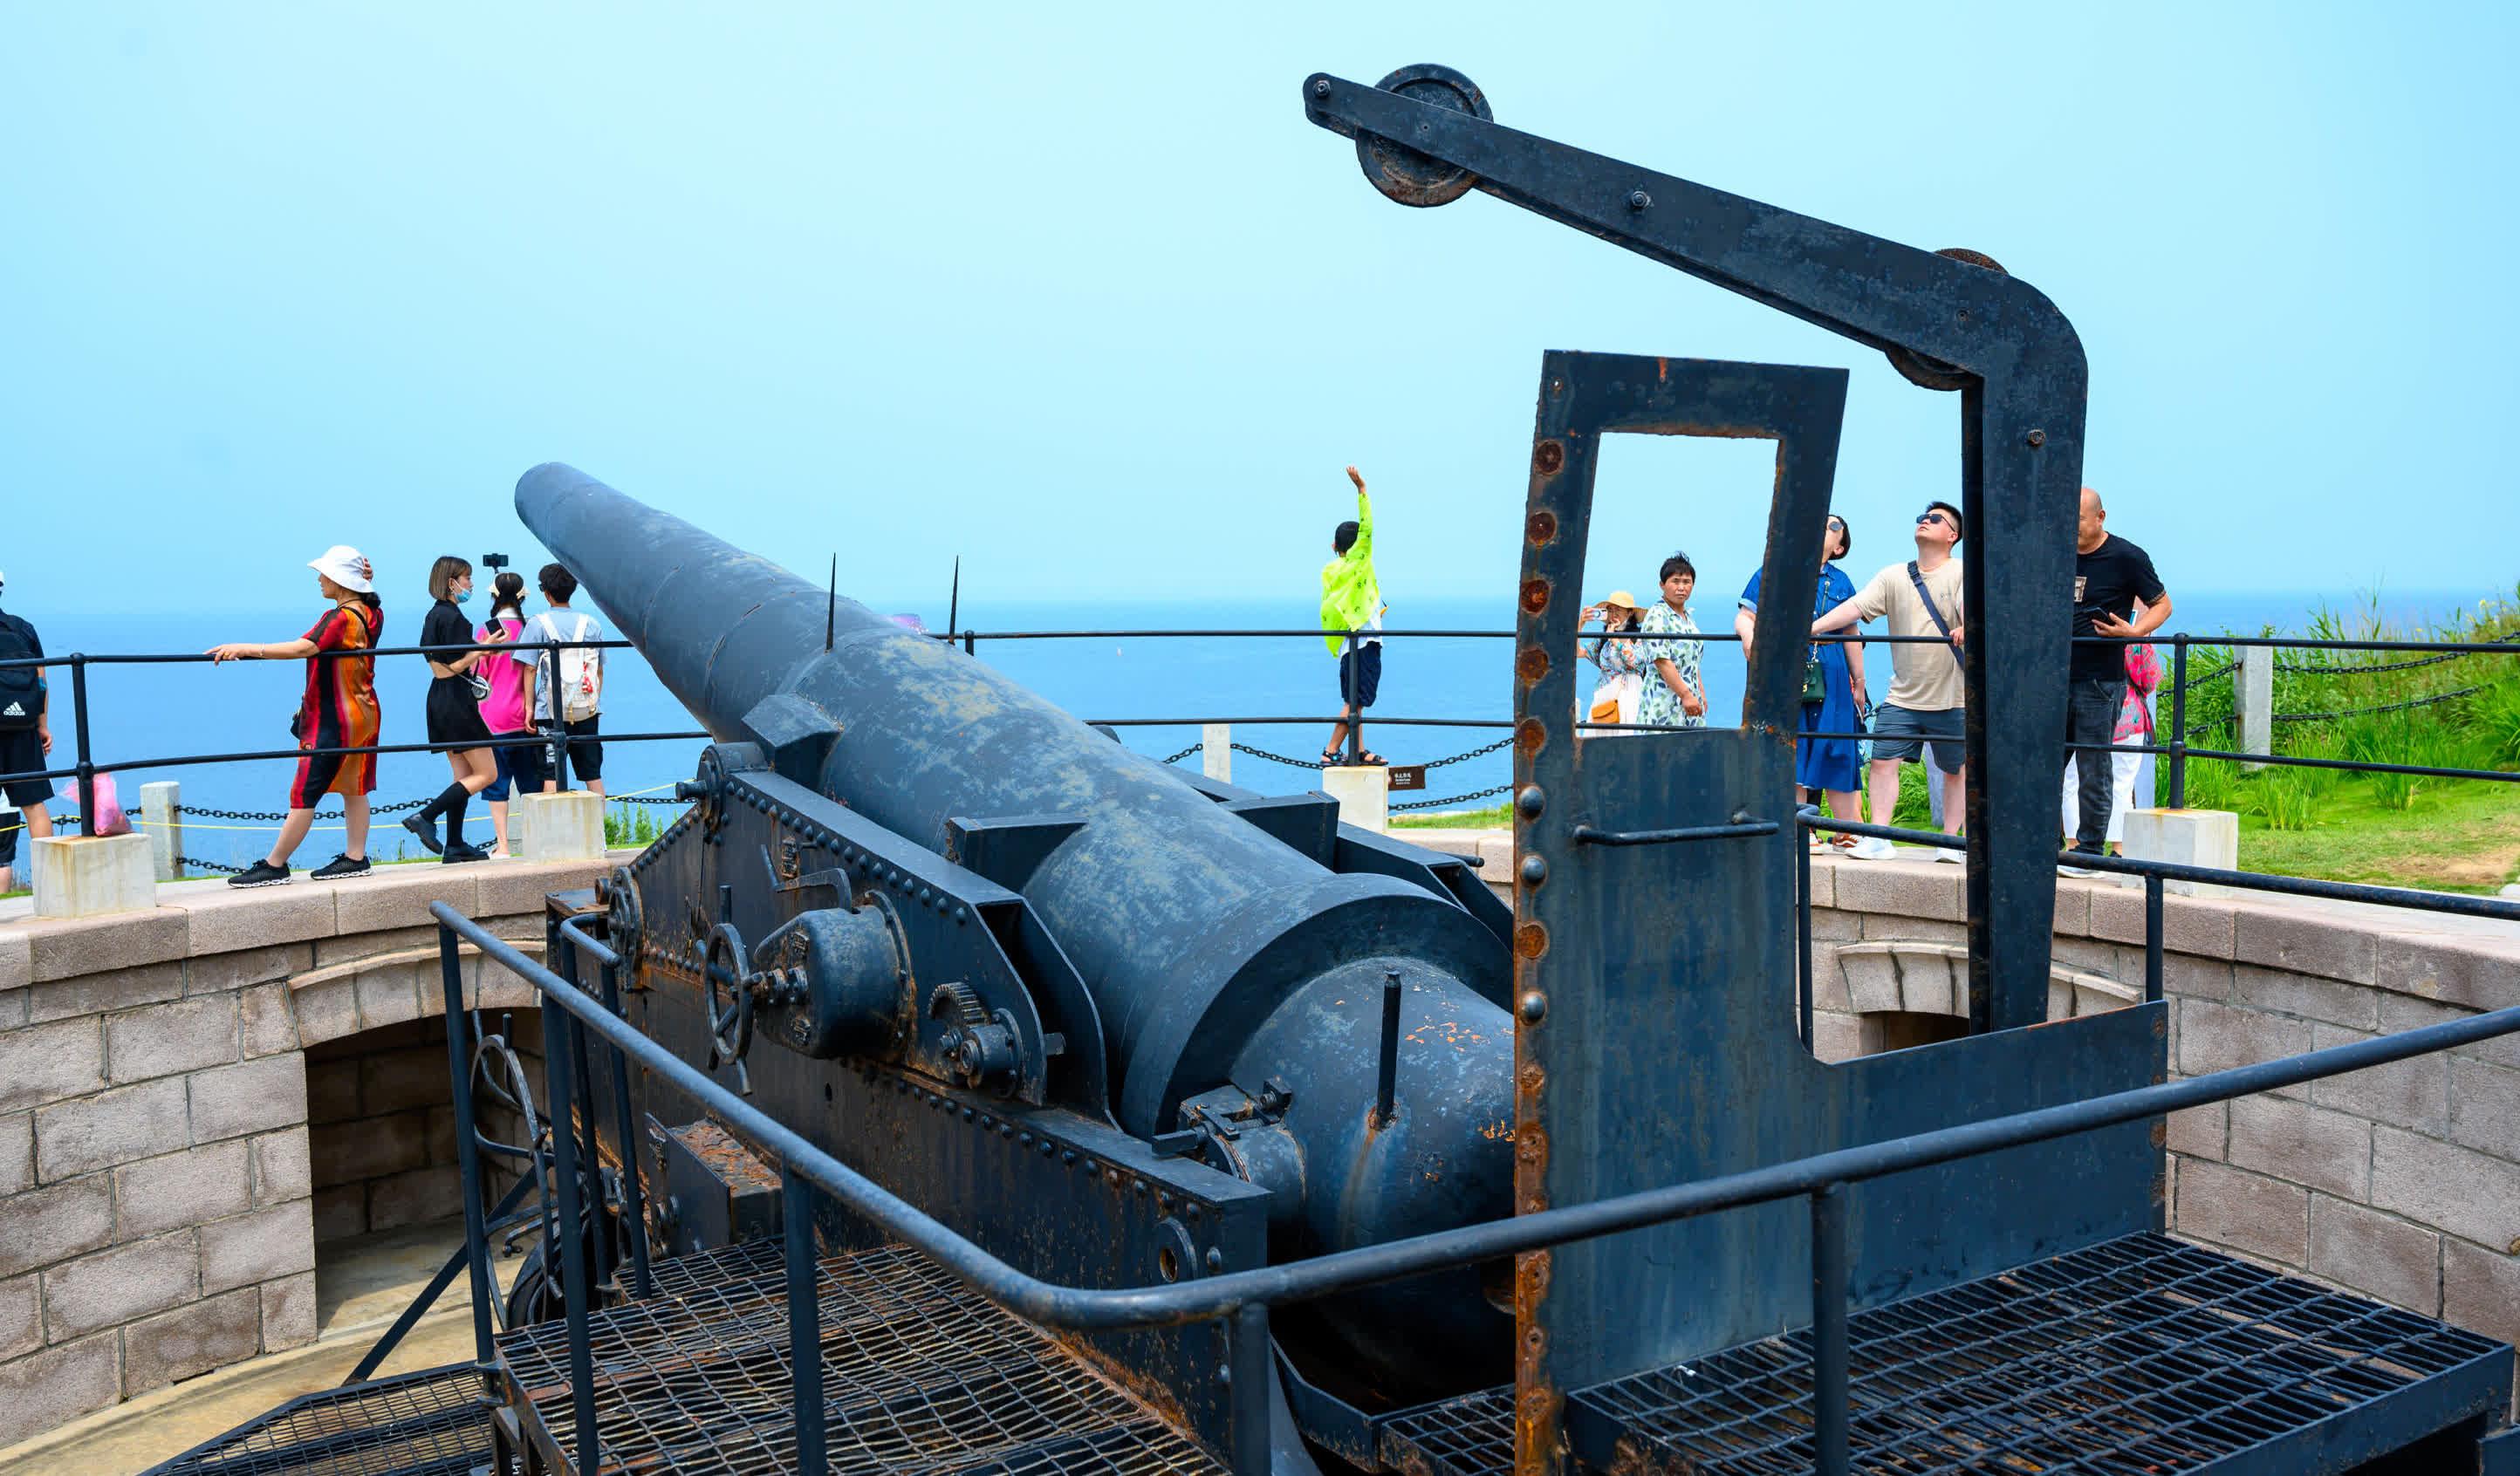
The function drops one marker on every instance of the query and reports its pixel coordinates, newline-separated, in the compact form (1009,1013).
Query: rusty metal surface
(919,1374)
(1656,1042)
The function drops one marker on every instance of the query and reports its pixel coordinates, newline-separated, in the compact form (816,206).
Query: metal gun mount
(1950,320)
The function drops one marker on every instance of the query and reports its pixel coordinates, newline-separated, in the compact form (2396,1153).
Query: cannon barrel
(1215,953)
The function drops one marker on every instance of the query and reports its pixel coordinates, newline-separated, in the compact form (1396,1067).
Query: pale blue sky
(1079,295)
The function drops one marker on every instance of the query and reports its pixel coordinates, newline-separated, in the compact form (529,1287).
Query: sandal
(1329,758)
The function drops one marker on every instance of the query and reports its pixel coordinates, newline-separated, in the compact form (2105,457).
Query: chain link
(1277,758)
(2309,669)
(1458,799)
(1502,742)
(1185,753)
(2357,712)
(647,800)
(207,865)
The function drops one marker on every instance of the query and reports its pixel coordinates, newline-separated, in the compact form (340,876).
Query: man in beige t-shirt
(1923,713)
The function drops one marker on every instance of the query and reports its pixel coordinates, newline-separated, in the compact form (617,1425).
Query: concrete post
(161,813)
(2186,837)
(1362,793)
(1216,751)
(568,825)
(2254,700)
(84,875)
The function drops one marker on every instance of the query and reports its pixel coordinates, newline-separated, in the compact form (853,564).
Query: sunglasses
(1935,515)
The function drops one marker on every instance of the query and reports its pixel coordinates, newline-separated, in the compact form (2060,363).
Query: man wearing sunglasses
(1922,714)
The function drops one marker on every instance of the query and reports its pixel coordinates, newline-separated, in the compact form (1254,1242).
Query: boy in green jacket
(1351,601)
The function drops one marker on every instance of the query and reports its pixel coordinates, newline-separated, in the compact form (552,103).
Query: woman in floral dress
(1674,691)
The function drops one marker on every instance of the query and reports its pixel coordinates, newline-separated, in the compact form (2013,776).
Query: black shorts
(585,754)
(454,717)
(1361,675)
(22,752)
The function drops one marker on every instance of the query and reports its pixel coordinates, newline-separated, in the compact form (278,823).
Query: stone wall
(158,1177)
(381,1126)
(2402,1183)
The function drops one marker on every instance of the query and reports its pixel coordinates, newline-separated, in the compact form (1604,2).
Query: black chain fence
(182,862)
(2359,712)
(1458,799)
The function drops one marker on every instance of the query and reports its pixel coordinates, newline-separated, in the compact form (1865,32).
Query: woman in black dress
(453,712)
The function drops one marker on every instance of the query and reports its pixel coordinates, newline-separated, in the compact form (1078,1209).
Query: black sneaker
(260,874)
(426,828)
(339,867)
(458,853)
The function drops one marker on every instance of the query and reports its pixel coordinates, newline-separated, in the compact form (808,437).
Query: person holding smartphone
(2116,592)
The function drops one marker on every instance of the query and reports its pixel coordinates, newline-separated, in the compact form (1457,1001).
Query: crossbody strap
(1933,613)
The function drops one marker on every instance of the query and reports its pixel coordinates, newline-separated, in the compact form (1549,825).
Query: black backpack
(22,695)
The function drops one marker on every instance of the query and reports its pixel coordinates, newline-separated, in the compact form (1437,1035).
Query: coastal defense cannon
(900,857)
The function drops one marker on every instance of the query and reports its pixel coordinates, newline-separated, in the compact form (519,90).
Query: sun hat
(345,566)
(1622,599)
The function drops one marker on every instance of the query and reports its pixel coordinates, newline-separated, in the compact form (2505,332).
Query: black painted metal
(1133,941)
(1828,1329)
(804,1324)
(2020,372)
(467,1155)
(577,1284)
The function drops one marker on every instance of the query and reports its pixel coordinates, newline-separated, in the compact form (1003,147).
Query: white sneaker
(1956,858)
(1871,848)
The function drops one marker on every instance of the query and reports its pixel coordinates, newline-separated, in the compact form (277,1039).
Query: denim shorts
(1903,734)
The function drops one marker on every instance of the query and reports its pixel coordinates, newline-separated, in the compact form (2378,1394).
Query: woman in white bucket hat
(336,710)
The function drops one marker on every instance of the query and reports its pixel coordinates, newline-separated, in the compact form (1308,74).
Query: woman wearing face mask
(1674,691)
(453,712)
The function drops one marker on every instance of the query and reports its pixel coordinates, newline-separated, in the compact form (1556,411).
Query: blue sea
(162,711)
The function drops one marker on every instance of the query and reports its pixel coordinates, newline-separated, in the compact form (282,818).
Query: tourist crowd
(505,700)
(1651,662)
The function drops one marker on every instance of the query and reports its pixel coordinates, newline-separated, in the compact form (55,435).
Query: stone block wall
(159,1179)
(2401,1182)
(381,1127)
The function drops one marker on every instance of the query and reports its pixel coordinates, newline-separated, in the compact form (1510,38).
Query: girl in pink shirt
(503,710)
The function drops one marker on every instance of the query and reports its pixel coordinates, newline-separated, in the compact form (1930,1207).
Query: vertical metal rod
(2179,721)
(634,1202)
(2152,940)
(1248,1365)
(804,1322)
(582,1112)
(86,768)
(968,648)
(559,720)
(467,1160)
(559,1087)
(1386,1078)
(1829,1393)
(1803,928)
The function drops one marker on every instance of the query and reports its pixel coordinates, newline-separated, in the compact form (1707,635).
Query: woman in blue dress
(1826,767)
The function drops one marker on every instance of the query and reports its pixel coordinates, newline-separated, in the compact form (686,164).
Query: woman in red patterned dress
(338,710)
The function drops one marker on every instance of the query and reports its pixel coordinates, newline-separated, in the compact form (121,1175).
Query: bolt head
(2038,439)
(1321,87)
(1639,199)
(1529,801)
(1535,870)
(1535,1007)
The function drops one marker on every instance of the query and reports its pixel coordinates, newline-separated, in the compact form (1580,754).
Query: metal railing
(571,1015)
(2175,752)
(86,768)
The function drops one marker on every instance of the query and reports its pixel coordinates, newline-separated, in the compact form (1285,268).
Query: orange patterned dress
(339,708)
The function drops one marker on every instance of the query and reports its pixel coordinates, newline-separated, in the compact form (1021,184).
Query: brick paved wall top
(157,1180)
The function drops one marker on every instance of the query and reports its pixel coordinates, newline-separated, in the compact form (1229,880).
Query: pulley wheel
(1924,370)
(1401,172)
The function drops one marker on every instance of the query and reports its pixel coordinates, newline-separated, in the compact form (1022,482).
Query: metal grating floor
(918,1377)
(433,1423)
(2137,1356)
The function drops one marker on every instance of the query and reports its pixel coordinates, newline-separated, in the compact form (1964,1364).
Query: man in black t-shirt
(2111,578)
